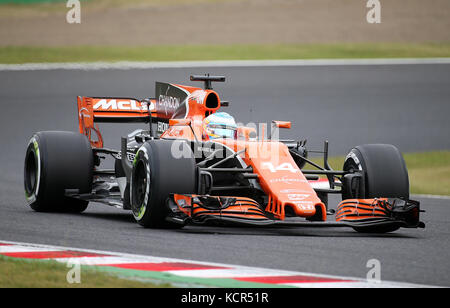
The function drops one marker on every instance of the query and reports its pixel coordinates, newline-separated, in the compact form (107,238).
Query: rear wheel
(156,174)
(385,176)
(54,162)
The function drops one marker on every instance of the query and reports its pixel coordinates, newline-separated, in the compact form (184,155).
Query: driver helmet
(220,125)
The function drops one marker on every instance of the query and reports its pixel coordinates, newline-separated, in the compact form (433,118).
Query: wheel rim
(350,165)
(141,189)
(141,183)
(30,173)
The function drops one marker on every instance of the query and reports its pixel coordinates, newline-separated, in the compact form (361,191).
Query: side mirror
(282,124)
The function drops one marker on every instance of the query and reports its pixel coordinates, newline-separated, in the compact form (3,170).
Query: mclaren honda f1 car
(171,173)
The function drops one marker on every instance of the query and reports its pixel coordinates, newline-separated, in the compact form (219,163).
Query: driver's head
(220,125)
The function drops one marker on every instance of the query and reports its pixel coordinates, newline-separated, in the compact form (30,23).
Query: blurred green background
(183,30)
(30,1)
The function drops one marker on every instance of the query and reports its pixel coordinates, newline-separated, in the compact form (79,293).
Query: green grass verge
(15,55)
(429,172)
(25,273)
(194,282)
(20,273)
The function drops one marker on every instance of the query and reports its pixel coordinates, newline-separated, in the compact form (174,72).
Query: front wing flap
(379,211)
(240,211)
(207,209)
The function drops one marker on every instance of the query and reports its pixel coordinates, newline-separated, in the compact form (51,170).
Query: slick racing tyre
(385,175)
(156,174)
(54,162)
(385,171)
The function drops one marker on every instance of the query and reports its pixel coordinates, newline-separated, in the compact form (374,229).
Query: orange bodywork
(278,174)
(242,206)
(279,177)
(361,209)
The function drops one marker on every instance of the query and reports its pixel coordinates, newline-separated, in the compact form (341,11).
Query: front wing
(367,215)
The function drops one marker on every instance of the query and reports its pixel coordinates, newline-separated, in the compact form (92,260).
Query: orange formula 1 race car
(194,165)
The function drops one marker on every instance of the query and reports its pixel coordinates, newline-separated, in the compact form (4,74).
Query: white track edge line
(128,65)
(126,255)
(442,197)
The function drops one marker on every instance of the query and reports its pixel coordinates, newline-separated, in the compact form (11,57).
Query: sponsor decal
(168,103)
(288,181)
(169,99)
(288,191)
(162,127)
(305,205)
(297,197)
(121,105)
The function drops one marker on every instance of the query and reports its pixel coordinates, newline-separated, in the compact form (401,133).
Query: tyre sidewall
(385,170)
(32,189)
(141,208)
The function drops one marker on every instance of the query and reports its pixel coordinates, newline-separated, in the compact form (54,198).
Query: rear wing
(114,110)
(91,110)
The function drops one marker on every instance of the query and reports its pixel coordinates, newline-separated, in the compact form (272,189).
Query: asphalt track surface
(405,105)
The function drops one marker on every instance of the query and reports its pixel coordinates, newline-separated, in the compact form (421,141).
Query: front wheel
(385,172)
(385,176)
